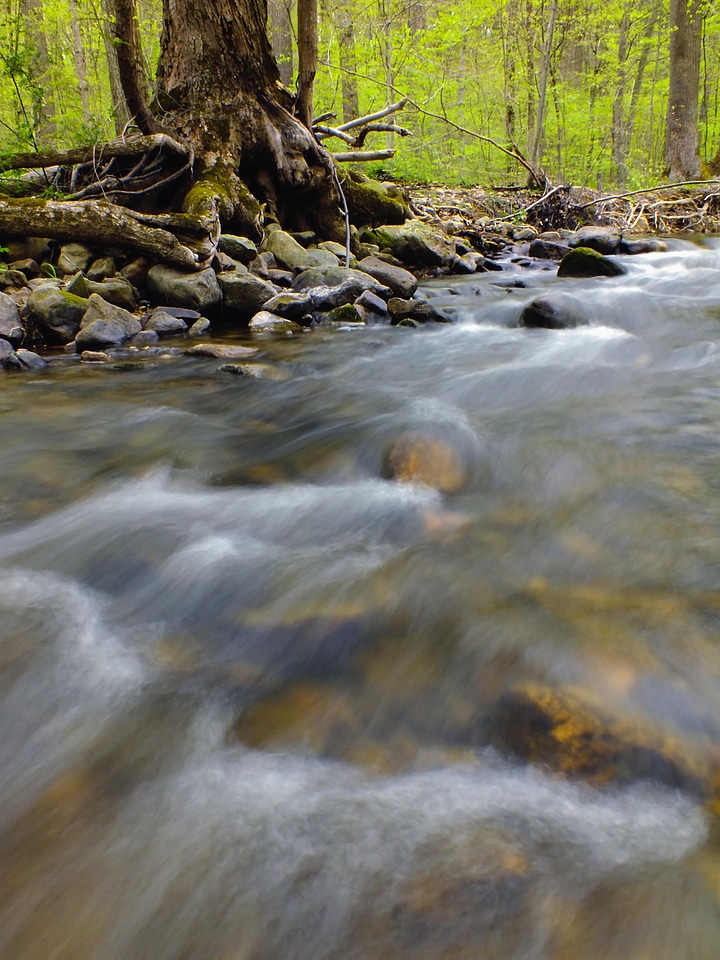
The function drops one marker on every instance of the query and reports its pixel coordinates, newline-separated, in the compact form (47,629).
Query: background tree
(682,138)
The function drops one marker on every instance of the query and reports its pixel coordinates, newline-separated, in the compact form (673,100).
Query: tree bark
(281,36)
(121,113)
(307,34)
(80,60)
(682,154)
(130,64)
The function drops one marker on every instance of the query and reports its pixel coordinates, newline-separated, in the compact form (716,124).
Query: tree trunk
(307,34)
(348,61)
(281,37)
(219,86)
(130,64)
(80,60)
(121,113)
(539,135)
(681,128)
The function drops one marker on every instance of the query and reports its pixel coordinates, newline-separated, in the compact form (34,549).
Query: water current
(245,679)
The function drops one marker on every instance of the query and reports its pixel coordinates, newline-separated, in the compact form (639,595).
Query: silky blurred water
(246,678)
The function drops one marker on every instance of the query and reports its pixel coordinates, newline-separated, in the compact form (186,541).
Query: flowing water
(247,682)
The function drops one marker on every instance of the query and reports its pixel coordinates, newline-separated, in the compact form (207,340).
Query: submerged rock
(558,311)
(418,310)
(422,457)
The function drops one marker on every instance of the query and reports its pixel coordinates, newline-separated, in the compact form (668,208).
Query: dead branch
(95,154)
(359,141)
(361,121)
(636,193)
(360,156)
(322,132)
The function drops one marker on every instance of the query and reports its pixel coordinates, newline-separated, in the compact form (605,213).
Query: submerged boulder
(557,311)
(586,262)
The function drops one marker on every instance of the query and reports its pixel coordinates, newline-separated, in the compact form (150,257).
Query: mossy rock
(585,262)
(372,203)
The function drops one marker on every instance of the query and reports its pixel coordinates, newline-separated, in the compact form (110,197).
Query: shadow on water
(250,671)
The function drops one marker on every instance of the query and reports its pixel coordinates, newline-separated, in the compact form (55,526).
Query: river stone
(56,313)
(602,239)
(467,263)
(144,338)
(6,353)
(418,310)
(94,356)
(373,305)
(201,326)
(136,272)
(346,281)
(30,360)
(116,290)
(400,281)
(647,245)
(222,351)
(105,325)
(347,313)
(13,278)
(586,262)
(238,248)
(293,256)
(557,311)
(245,294)
(77,285)
(418,242)
(338,250)
(577,736)
(30,248)
(543,249)
(422,457)
(165,324)
(101,269)
(292,306)
(28,267)
(264,321)
(10,326)
(74,257)
(178,288)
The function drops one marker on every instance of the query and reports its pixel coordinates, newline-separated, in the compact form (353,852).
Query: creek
(245,680)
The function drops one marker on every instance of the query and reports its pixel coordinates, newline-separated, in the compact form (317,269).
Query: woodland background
(472,70)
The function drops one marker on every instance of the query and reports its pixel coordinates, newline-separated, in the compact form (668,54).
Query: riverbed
(247,676)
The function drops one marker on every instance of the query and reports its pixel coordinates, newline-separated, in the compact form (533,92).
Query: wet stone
(586,262)
(421,457)
(222,351)
(30,360)
(418,310)
(264,321)
(165,324)
(10,326)
(554,312)
(605,240)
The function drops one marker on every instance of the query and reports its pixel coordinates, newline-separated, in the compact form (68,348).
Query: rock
(524,233)
(7,354)
(74,257)
(10,326)
(116,290)
(347,284)
(94,356)
(257,371)
(164,324)
(201,326)
(105,325)
(304,237)
(415,242)
(557,311)
(291,306)
(101,269)
(543,249)
(422,457)
(199,291)
(290,254)
(401,282)
(222,351)
(13,278)
(264,321)
(28,267)
(239,248)
(245,294)
(338,250)
(374,306)
(30,361)
(144,338)
(136,272)
(576,736)
(649,245)
(601,239)
(56,313)
(418,310)
(77,285)
(468,263)
(281,278)
(347,313)
(587,262)
(30,248)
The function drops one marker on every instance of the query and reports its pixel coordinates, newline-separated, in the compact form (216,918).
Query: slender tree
(681,128)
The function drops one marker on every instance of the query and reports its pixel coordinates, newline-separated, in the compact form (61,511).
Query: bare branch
(635,193)
(361,121)
(322,132)
(360,156)
(94,154)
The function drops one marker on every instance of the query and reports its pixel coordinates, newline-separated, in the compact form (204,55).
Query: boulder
(418,456)
(647,245)
(557,311)
(30,361)
(543,249)
(290,254)
(10,326)
(245,294)
(30,248)
(116,290)
(602,239)
(136,272)
(292,306)
(199,291)
(105,325)
(74,257)
(347,313)
(239,248)
(375,308)
(28,267)
(13,278)
(419,311)
(401,282)
(347,282)
(8,357)
(164,324)
(201,326)
(587,262)
(415,242)
(222,351)
(101,269)
(264,321)
(56,313)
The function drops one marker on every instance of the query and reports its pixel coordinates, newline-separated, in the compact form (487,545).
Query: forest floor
(671,210)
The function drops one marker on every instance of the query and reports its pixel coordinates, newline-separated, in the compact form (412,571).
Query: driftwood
(180,239)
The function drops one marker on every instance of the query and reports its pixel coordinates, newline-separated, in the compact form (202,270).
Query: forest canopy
(581,88)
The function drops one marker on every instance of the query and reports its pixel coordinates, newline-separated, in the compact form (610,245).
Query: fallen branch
(360,156)
(361,121)
(95,154)
(322,133)
(636,193)
(359,141)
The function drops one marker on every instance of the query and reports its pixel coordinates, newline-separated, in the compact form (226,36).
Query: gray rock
(116,290)
(338,250)
(13,278)
(94,356)
(28,267)
(352,282)
(56,313)
(144,338)
(10,326)
(290,254)
(557,311)
(239,248)
(101,269)
(200,327)
(222,351)
(7,354)
(136,272)
(543,249)
(400,281)
(586,262)
(419,311)
(602,239)
(467,263)
(105,325)
(31,248)
(245,294)
(291,306)
(264,321)
(199,291)
(77,285)
(30,360)
(74,257)
(374,305)
(347,313)
(647,245)
(417,242)
(164,324)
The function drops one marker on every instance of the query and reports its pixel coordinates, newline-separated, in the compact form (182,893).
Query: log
(96,154)
(103,223)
